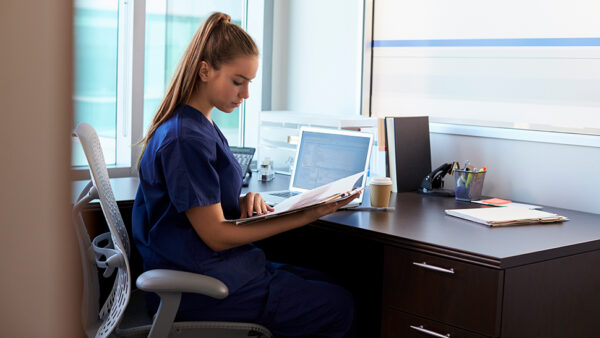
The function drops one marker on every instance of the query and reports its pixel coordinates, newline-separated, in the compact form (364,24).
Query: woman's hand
(329,208)
(253,202)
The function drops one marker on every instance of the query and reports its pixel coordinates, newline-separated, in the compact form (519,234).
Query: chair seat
(137,322)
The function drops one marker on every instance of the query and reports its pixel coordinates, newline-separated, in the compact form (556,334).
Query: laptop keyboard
(285,194)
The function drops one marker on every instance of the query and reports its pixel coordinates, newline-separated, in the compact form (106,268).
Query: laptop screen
(326,155)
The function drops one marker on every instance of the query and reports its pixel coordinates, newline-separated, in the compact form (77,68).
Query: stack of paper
(506,216)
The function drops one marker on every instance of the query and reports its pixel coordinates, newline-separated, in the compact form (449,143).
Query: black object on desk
(433,183)
(244,156)
(408,151)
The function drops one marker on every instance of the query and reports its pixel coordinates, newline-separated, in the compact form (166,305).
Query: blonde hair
(217,41)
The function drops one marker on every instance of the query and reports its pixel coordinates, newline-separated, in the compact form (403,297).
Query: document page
(324,194)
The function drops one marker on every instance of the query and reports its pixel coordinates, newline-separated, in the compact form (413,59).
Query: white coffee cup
(380,189)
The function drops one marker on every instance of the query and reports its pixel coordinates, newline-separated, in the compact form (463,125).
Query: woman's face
(227,87)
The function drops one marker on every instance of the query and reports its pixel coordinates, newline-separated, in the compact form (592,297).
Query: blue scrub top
(188,163)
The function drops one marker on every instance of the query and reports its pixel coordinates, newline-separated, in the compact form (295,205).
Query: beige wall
(39,283)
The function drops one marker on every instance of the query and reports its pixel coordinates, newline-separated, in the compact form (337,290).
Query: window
(108,49)
(96,25)
(522,65)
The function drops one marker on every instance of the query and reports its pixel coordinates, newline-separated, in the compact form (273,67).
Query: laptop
(323,156)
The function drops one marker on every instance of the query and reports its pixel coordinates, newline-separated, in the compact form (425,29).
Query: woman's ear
(204,70)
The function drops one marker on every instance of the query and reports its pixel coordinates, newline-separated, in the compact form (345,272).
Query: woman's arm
(209,223)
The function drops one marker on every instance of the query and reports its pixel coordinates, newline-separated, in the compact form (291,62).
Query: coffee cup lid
(381,180)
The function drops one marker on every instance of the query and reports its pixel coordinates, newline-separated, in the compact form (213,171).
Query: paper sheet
(505,216)
(326,193)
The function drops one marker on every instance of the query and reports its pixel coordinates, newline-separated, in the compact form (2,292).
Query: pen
(469,178)
(481,171)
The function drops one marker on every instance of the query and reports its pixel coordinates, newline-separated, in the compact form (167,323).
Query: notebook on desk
(324,156)
(498,216)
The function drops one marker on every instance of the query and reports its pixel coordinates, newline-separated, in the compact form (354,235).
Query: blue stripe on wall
(542,42)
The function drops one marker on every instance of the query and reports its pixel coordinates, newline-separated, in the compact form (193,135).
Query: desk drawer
(453,292)
(397,324)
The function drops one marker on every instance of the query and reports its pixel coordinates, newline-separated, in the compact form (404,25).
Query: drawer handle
(433,267)
(420,328)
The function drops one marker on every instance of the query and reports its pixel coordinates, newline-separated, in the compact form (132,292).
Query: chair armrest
(173,281)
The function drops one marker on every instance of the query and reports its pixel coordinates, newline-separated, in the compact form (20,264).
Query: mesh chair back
(111,251)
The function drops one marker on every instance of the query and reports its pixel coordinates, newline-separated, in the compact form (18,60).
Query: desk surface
(420,222)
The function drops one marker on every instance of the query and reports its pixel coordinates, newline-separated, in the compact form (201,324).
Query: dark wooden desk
(526,281)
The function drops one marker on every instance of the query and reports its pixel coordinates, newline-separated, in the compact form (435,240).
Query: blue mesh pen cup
(468,184)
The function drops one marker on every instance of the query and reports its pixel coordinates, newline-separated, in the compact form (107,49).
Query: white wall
(556,175)
(317,48)
(40,285)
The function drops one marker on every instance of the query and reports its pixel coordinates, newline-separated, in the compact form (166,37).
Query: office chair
(110,252)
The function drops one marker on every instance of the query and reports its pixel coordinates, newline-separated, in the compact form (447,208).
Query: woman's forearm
(218,234)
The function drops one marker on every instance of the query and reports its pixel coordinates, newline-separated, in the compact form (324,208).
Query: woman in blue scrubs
(190,183)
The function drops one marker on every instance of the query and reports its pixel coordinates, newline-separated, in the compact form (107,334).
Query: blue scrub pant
(289,301)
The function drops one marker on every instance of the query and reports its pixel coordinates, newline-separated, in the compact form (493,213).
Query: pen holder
(468,184)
